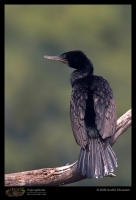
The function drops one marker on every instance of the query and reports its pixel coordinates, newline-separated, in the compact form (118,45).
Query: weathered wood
(61,175)
(123,123)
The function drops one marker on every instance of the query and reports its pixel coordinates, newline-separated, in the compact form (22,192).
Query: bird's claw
(111,175)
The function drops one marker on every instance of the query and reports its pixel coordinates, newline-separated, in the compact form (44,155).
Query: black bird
(93,115)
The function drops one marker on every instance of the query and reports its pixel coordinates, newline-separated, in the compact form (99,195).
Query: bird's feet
(111,175)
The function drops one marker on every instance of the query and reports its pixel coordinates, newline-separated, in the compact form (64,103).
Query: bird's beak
(59,58)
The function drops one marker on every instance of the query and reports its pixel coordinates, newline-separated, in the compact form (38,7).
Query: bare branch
(61,175)
(123,123)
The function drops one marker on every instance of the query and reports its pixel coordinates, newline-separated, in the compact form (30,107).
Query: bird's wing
(77,113)
(104,107)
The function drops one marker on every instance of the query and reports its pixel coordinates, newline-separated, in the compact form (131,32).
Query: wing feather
(77,113)
(104,107)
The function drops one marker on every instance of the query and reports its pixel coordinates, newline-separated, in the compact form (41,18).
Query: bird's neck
(80,74)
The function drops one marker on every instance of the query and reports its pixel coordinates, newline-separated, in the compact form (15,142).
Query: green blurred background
(37,92)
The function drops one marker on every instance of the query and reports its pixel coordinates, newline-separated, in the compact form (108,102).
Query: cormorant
(93,115)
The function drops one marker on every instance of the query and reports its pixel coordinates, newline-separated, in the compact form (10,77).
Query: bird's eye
(64,56)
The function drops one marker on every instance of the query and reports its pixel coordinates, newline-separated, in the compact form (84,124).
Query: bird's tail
(97,159)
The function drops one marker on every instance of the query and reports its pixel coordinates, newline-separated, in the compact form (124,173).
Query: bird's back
(92,109)
(93,120)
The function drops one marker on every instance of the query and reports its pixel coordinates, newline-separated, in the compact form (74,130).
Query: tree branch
(61,175)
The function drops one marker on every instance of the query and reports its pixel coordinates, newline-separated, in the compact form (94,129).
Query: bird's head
(74,59)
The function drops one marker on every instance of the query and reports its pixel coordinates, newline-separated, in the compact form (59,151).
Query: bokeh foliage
(37,92)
